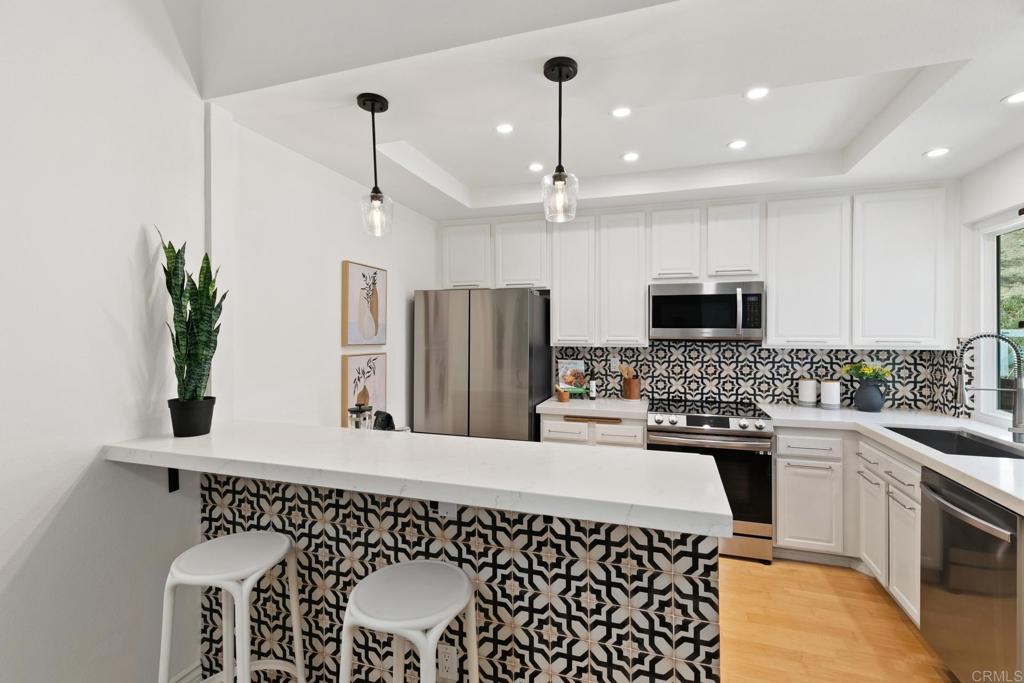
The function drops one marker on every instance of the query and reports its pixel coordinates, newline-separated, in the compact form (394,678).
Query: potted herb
(870,395)
(193,339)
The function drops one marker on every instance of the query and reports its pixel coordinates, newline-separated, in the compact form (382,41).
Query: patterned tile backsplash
(744,371)
(558,600)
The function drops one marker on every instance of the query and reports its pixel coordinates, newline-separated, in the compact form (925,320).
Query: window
(1010,307)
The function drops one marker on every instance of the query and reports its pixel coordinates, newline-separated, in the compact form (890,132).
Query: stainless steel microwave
(707,310)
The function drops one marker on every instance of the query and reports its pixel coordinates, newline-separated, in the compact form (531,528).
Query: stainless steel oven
(707,310)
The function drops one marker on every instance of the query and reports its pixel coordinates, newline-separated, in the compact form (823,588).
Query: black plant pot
(191,418)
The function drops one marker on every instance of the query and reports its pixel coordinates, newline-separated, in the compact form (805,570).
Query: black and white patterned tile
(558,600)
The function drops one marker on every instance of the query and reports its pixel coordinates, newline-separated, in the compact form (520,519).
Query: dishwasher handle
(966,517)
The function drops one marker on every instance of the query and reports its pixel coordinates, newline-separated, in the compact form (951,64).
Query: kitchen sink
(956,442)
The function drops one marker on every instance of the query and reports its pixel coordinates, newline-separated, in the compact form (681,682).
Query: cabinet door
(898,270)
(675,244)
(622,285)
(905,553)
(734,240)
(522,254)
(872,525)
(808,272)
(466,256)
(809,503)
(572,285)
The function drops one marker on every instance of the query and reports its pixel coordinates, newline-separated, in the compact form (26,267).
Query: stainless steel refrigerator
(481,362)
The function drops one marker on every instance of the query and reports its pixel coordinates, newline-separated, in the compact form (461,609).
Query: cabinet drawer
(902,477)
(557,430)
(809,446)
(870,457)
(619,435)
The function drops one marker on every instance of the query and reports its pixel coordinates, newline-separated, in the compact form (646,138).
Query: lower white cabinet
(809,504)
(593,431)
(905,553)
(872,527)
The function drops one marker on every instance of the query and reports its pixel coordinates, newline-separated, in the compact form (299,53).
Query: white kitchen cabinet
(522,254)
(593,430)
(734,241)
(573,283)
(905,553)
(809,504)
(899,268)
(675,244)
(466,256)
(621,280)
(872,527)
(808,272)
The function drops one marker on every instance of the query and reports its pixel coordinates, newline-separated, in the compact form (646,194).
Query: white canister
(807,393)
(830,394)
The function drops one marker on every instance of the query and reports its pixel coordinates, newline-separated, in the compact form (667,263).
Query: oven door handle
(705,442)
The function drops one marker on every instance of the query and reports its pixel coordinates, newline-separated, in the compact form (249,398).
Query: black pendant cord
(373,135)
(559,167)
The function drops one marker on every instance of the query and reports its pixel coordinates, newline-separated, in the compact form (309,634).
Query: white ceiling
(859,91)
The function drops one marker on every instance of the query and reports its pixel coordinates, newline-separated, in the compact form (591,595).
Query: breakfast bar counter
(589,563)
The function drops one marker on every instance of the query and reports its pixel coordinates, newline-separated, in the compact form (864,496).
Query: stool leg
(428,662)
(398,649)
(345,665)
(165,632)
(227,634)
(472,660)
(242,649)
(293,600)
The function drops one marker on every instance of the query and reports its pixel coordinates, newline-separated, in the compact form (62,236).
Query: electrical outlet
(445,510)
(613,362)
(447,663)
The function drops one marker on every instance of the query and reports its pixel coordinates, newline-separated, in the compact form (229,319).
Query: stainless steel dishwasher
(969,581)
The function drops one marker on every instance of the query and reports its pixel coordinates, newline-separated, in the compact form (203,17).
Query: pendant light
(378,209)
(560,190)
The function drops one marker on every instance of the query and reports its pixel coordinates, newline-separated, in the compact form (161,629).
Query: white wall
(994,188)
(294,222)
(102,134)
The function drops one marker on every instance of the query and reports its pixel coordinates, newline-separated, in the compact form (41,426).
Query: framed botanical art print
(363,381)
(364,304)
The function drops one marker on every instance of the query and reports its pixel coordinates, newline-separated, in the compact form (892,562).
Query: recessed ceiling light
(737,144)
(756,93)
(1015,98)
(630,156)
(621,112)
(504,128)
(536,167)
(937,152)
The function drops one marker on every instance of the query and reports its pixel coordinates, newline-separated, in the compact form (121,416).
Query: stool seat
(406,594)
(232,557)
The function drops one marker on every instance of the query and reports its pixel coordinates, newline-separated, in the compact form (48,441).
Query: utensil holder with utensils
(630,383)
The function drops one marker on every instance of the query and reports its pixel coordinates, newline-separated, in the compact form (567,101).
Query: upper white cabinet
(898,270)
(573,283)
(466,256)
(808,272)
(522,254)
(734,240)
(675,244)
(621,281)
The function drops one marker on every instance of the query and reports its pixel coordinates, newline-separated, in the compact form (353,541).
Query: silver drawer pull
(561,431)
(865,477)
(809,448)
(897,501)
(864,458)
(519,284)
(898,480)
(734,270)
(808,467)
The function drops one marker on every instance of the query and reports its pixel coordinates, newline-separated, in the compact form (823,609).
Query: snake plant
(195,322)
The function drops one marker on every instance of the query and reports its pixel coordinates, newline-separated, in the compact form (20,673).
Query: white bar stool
(235,564)
(414,601)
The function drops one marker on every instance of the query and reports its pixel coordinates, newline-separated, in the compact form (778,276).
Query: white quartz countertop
(597,483)
(599,407)
(1000,479)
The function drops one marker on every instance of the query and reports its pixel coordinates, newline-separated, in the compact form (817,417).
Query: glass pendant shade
(378,213)
(559,192)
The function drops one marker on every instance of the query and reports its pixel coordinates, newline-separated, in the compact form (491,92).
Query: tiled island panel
(559,600)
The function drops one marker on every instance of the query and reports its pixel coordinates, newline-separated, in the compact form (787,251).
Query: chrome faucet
(1018,387)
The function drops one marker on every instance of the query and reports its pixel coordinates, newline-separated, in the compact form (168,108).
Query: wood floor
(797,622)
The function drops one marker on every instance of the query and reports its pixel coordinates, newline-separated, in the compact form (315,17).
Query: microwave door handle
(739,310)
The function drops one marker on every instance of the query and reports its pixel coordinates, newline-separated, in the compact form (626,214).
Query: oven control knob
(743,424)
(759,425)
(673,420)
(658,419)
